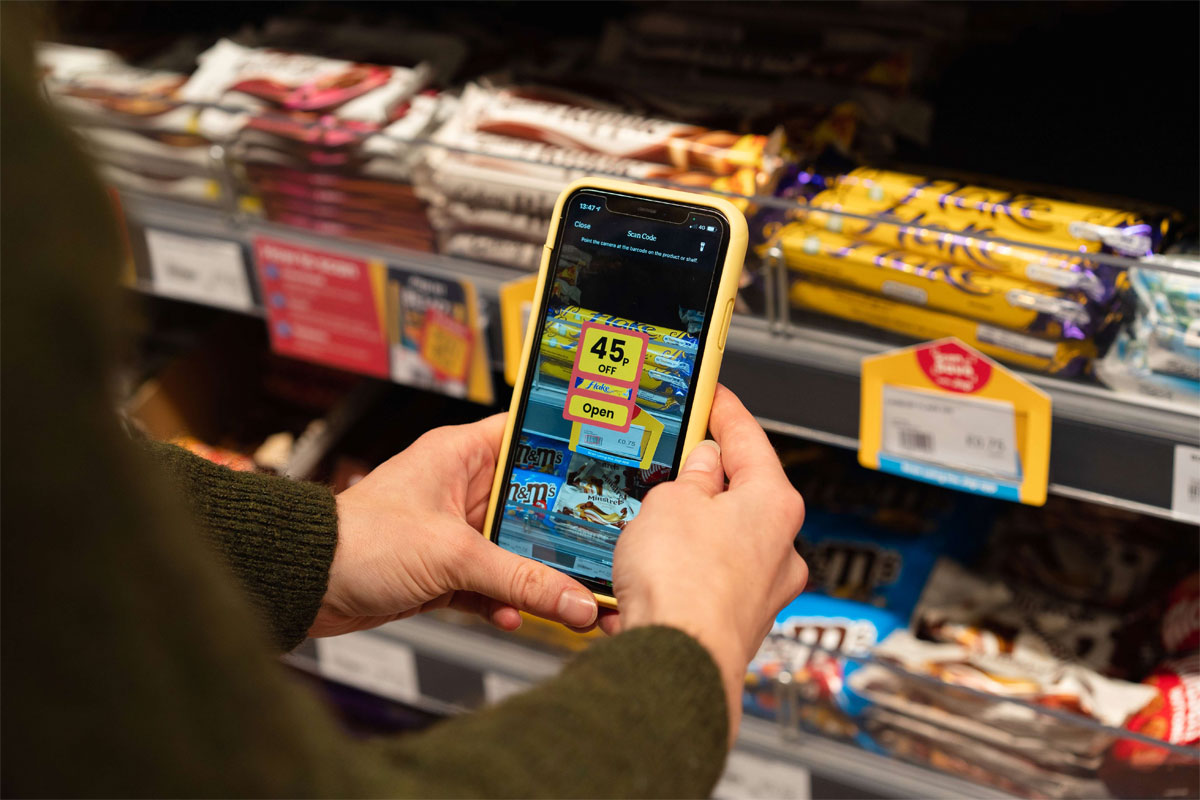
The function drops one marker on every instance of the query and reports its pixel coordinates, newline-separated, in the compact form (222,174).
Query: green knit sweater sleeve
(639,715)
(277,535)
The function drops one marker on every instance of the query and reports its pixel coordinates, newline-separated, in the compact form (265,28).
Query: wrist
(716,635)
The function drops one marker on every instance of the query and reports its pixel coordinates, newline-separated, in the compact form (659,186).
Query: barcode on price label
(963,433)
(1185,494)
(916,440)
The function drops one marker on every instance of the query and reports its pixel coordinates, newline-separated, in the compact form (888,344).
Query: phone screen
(628,302)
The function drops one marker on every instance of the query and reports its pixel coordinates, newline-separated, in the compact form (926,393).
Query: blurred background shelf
(1106,447)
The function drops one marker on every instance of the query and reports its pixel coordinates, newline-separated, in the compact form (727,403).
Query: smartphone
(620,362)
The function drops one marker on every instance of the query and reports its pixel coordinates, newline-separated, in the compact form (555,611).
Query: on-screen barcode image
(912,439)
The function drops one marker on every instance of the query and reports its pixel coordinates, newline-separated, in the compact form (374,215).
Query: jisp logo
(952,366)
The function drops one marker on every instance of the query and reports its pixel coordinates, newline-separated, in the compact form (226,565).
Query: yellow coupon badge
(446,345)
(613,357)
(634,447)
(611,353)
(944,413)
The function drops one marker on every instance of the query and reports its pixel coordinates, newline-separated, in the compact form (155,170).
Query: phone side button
(726,319)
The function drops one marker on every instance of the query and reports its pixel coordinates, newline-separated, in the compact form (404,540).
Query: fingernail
(577,609)
(705,456)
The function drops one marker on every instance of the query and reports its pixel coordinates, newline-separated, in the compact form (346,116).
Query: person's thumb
(703,468)
(527,585)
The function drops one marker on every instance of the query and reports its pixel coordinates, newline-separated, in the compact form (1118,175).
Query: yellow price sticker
(611,353)
(446,345)
(599,411)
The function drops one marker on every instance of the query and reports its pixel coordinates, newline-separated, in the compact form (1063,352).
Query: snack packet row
(1008,215)
(979,294)
(548,476)
(509,113)
(1067,357)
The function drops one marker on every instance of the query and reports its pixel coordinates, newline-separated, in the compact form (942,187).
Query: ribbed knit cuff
(278,535)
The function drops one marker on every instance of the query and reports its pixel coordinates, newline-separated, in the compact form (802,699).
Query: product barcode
(916,440)
(1193,491)
(591,438)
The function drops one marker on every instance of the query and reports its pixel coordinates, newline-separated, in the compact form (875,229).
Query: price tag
(611,353)
(597,411)
(202,270)
(969,433)
(446,345)
(1185,486)
(497,687)
(945,414)
(628,444)
(749,775)
(372,663)
(516,307)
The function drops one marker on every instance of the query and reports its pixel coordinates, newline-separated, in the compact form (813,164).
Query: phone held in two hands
(633,303)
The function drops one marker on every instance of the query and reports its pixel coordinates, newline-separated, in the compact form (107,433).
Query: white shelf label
(372,663)
(619,443)
(749,776)
(1185,487)
(964,433)
(202,270)
(497,687)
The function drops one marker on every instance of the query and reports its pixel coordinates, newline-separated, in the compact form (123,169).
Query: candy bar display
(504,151)
(870,542)
(298,126)
(1158,353)
(134,121)
(864,245)
(1066,357)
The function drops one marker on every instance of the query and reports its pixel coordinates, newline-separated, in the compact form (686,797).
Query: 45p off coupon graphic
(613,357)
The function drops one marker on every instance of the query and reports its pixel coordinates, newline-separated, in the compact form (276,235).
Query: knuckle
(792,507)
(527,582)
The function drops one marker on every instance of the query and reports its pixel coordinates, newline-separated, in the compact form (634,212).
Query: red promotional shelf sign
(321,307)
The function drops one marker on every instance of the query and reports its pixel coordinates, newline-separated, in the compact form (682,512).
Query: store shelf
(1106,447)
(459,668)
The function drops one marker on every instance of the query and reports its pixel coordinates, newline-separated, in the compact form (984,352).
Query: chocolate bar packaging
(940,233)
(918,280)
(1018,217)
(1067,357)
(612,133)
(324,144)
(134,121)
(1138,769)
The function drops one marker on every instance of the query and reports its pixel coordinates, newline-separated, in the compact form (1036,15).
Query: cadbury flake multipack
(657,333)
(1067,357)
(921,280)
(954,237)
(1018,217)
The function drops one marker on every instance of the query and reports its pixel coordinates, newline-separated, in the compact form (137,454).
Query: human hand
(717,563)
(409,541)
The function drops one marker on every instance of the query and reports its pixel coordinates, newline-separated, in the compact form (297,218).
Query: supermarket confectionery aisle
(302,255)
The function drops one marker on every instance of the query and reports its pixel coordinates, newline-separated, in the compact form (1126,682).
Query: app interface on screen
(613,369)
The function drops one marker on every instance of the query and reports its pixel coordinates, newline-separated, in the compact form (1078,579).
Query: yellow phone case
(713,345)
